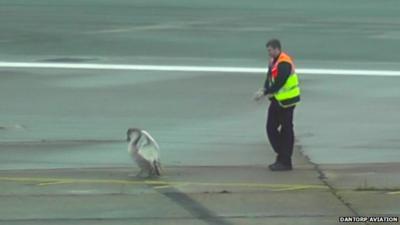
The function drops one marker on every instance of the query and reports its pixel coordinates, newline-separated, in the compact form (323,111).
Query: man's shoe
(278,166)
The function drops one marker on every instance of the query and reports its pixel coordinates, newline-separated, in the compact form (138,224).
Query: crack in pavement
(323,178)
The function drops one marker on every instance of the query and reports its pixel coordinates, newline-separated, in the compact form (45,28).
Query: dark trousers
(280,131)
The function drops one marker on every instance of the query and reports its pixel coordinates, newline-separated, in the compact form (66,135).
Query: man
(282,88)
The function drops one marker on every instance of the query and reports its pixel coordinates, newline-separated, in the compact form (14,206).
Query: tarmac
(63,154)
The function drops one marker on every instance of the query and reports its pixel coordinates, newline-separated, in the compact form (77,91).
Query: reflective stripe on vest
(289,94)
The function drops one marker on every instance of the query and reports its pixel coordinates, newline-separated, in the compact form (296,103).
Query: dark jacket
(284,70)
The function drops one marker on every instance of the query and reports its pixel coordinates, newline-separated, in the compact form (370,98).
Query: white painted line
(350,72)
(132,67)
(193,68)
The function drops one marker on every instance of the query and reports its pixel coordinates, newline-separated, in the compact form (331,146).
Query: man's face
(273,52)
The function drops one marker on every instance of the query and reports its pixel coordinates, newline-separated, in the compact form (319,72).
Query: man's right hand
(259,95)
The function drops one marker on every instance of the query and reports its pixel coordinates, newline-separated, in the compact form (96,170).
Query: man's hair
(274,43)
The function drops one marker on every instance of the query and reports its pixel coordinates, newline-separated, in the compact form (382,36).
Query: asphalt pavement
(63,155)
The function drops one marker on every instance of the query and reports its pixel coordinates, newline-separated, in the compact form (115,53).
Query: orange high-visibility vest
(289,94)
(283,57)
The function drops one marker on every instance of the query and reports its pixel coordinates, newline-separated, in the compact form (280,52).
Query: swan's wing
(149,153)
(151,139)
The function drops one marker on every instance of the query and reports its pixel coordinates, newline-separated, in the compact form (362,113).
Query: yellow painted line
(298,187)
(51,183)
(42,181)
(394,193)
(161,187)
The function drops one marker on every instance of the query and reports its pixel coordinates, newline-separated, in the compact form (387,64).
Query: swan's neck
(133,145)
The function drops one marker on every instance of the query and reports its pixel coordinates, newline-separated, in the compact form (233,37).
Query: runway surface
(66,127)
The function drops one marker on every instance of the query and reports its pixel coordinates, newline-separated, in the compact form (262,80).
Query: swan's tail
(157,168)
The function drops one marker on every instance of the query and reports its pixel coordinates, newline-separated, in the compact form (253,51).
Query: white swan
(145,152)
